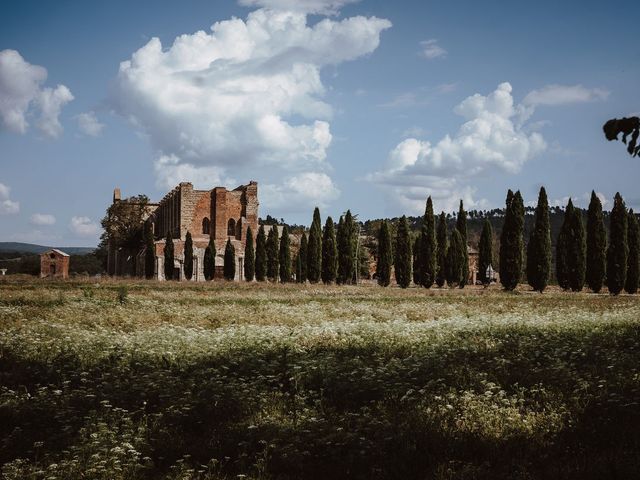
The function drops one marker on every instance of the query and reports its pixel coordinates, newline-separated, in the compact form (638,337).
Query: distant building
(218,213)
(54,263)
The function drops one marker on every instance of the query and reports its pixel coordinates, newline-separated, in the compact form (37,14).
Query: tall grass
(217,382)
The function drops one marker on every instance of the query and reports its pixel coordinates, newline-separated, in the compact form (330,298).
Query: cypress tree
(209,264)
(442,247)
(346,249)
(150,252)
(618,251)
(461,226)
(455,259)
(596,245)
(329,252)
(485,254)
(285,256)
(340,246)
(633,260)
(272,254)
(301,276)
(314,249)
(428,247)
(249,257)
(403,254)
(298,268)
(562,251)
(539,247)
(577,251)
(383,268)
(188,256)
(168,257)
(261,255)
(511,242)
(229,269)
(417,263)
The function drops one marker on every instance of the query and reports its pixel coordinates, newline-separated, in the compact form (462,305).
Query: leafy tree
(417,266)
(124,220)
(261,255)
(150,252)
(428,247)
(347,236)
(485,254)
(596,245)
(314,249)
(329,252)
(209,264)
(383,268)
(442,247)
(461,226)
(539,247)
(249,257)
(168,257)
(123,225)
(273,254)
(229,269)
(188,257)
(618,251)
(577,251)
(624,126)
(403,254)
(633,260)
(455,259)
(511,242)
(285,256)
(301,274)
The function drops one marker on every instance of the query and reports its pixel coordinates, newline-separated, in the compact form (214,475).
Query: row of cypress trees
(327,254)
(582,254)
(438,256)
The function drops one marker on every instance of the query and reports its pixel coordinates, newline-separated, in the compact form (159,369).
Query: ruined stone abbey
(219,213)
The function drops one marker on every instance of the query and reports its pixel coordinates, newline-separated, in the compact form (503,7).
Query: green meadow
(148,380)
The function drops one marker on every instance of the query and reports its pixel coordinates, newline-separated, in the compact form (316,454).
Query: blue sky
(365,105)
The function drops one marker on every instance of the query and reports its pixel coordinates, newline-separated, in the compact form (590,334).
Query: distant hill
(19,247)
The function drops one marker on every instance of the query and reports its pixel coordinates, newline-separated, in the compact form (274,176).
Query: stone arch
(206,226)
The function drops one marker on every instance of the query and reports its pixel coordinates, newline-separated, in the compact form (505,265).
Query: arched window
(231,228)
(206,225)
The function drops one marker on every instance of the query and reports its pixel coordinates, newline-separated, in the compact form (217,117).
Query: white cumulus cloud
(300,192)
(84,226)
(245,97)
(22,92)
(431,49)
(7,206)
(42,219)
(89,124)
(489,139)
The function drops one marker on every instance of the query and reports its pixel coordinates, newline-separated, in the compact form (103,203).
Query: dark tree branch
(626,126)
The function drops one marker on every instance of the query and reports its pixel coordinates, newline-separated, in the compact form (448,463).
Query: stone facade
(219,213)
(54,263)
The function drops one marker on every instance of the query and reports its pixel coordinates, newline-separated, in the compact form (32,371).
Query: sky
(364,105)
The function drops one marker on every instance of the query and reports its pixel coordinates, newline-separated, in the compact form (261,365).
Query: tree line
(439,255)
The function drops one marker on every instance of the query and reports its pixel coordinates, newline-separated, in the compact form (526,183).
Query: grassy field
(128,380)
